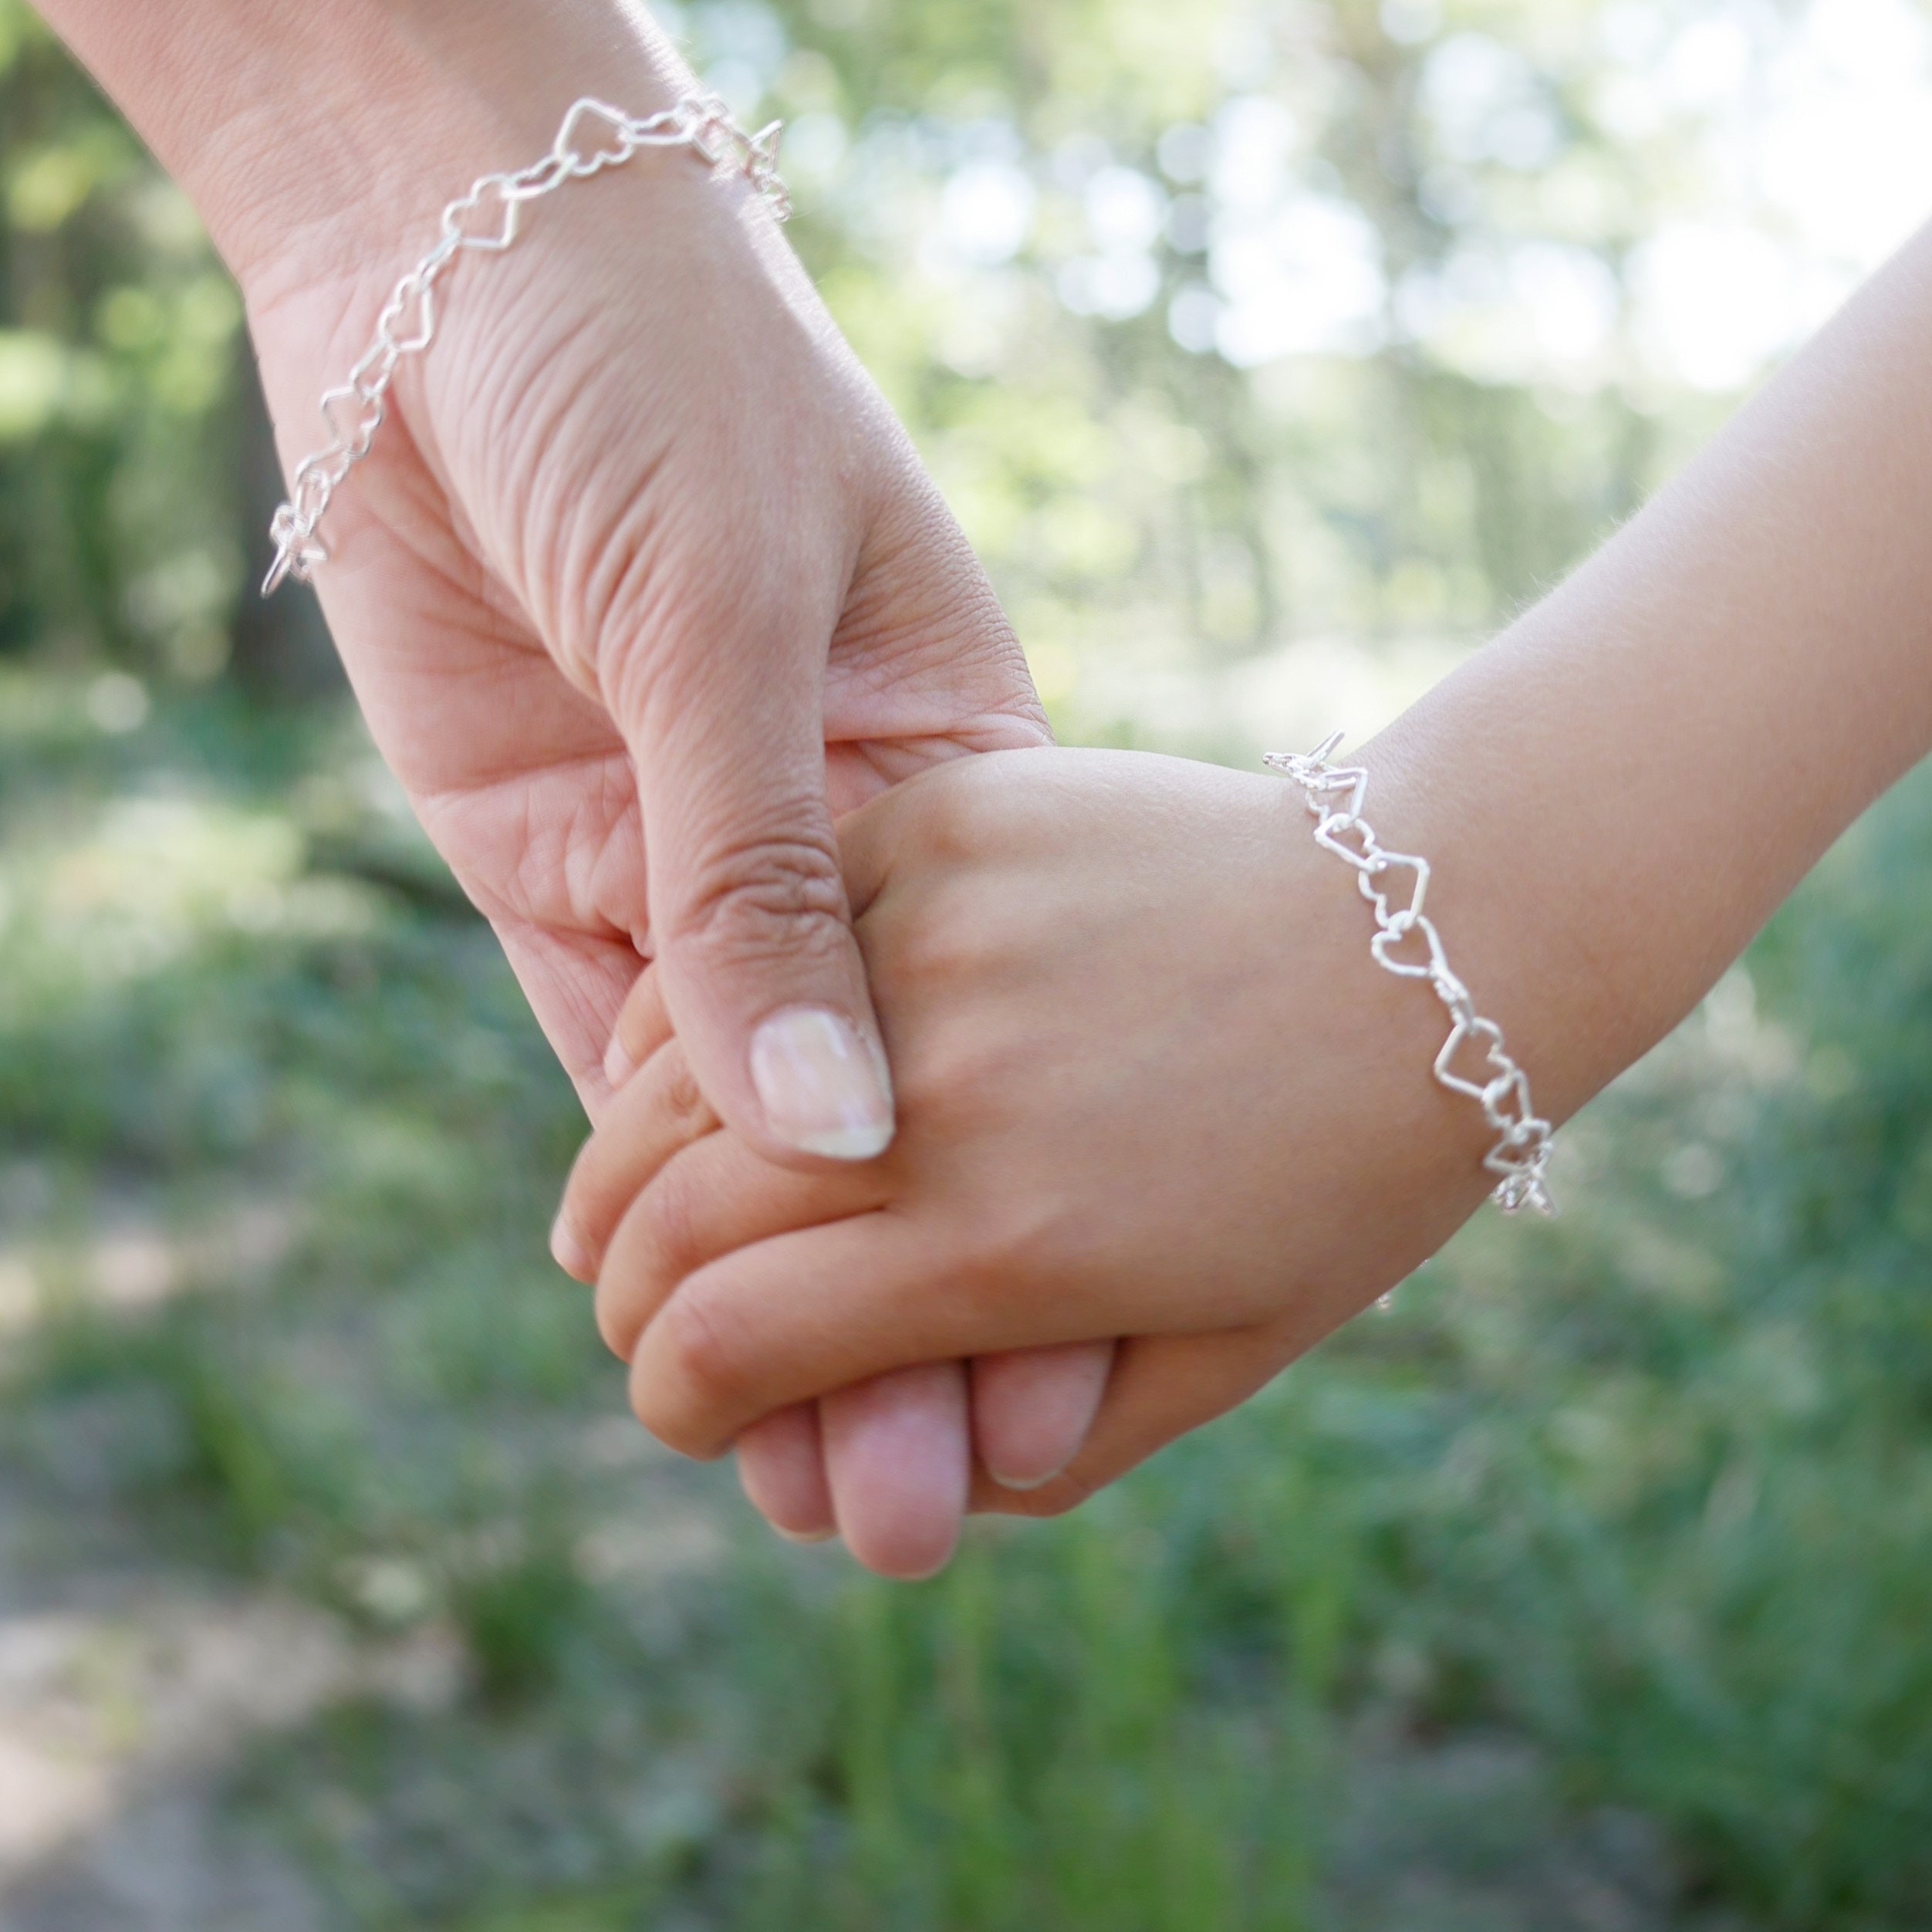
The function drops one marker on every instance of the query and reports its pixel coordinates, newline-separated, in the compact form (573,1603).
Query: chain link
(1406,943)
(484,222)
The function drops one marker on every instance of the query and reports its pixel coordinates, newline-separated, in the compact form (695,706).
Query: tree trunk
(283,654)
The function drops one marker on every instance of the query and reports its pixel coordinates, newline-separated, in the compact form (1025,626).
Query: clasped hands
(696,684)
(1149,1096)
(643,590)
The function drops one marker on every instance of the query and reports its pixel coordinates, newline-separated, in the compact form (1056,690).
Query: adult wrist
(308,137)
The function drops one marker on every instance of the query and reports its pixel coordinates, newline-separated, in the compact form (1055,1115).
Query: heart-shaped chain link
(407,324)
(1389,944)
(1372,880)
(1351,839)
(485,219)
(1407,943)
(594,136)
(1491,1035)
(354,417)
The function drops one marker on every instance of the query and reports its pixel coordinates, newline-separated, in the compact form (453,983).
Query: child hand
(887,1463)
(1151,1085)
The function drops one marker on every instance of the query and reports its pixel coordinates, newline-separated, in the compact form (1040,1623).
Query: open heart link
(353,418)
(414,302)
(1506,1104)
(763,149)
(371,377)
(540,178)
(298,553)
(491,237)
(1397,933)
(314,481)
(1479,1029)
(611,145)
(1333,835)
(1388,862)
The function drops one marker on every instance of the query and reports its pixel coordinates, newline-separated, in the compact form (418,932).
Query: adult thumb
(761,976)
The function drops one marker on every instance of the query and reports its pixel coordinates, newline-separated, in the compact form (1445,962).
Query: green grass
(1646,1494)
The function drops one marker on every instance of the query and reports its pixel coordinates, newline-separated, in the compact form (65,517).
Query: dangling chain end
(298,551)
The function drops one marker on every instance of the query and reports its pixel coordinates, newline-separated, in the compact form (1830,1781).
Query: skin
(1062,1015)
(1152,1087)
(641,549)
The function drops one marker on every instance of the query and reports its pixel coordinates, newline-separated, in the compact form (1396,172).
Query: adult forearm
(298,129)
(1627,783)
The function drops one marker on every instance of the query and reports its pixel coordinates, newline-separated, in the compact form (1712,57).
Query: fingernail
(619,1066)
(824,1090)
(569,1252)
(806,1535)
(1023,1484)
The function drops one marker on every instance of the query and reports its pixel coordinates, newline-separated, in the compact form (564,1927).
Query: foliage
(1649,1490)
(1221,326)
(119,525)
(1596,1568)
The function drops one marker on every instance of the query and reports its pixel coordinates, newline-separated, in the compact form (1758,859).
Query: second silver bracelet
(1406,943)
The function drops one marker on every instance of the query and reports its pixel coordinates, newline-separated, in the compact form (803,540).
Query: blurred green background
(1272,354)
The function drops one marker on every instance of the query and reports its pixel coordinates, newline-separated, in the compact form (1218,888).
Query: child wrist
(1474,1060)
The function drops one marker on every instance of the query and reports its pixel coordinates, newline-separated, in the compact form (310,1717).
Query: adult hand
(640,546)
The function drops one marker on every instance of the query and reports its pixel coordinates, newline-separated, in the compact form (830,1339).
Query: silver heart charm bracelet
(1406,943)
(484,222)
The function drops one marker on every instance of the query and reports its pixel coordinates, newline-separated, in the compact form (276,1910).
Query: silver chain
(593,136)
(1334,794)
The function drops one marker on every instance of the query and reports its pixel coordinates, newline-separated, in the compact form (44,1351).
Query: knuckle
(948,941)
(665,1227)
(981,814)
(586,1193)
(984,1269)
(642,1023)
(578,550)
(959,1077)
(639,614)
(1012,1253)
(698,1375)
(618,1321)
(992,1267)
(682,1098)
(669,623)
(780,897)
(654,1246)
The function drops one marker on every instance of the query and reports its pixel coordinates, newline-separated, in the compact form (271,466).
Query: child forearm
(1619,790)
